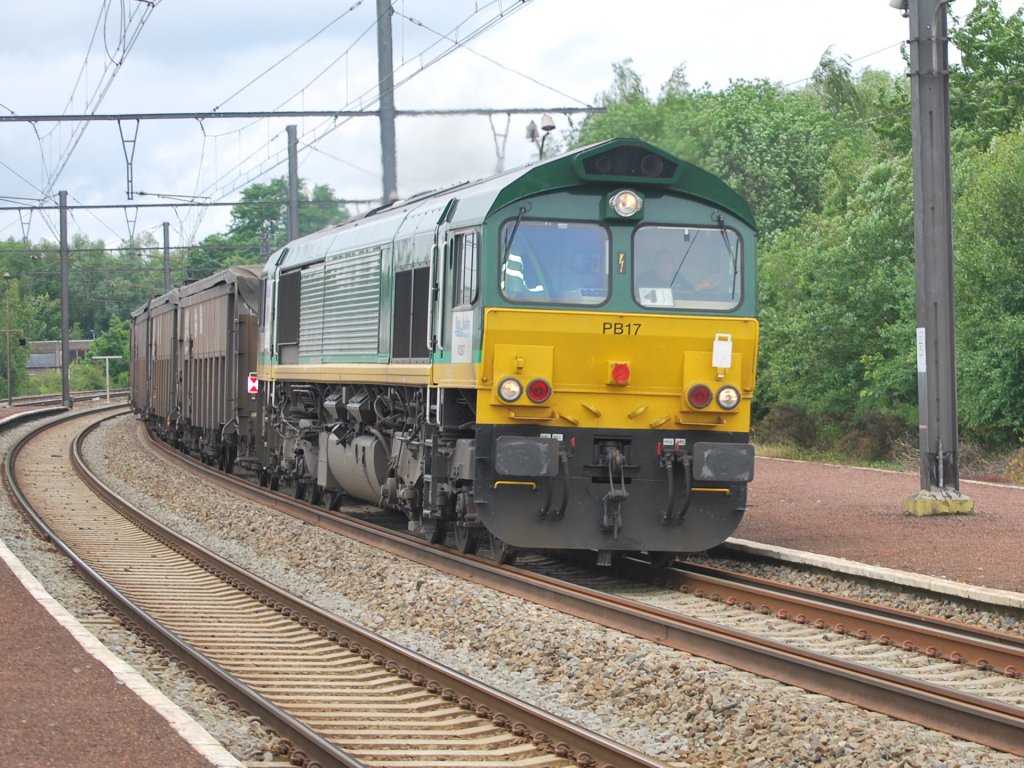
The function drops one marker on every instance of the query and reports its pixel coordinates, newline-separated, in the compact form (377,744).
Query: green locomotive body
(559,357)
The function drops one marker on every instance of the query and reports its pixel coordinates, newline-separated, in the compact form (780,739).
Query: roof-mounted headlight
(626,203)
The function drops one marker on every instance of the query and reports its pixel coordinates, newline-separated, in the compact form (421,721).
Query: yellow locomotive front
(592,436)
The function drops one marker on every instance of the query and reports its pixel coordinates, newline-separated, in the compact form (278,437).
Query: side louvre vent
(630,162)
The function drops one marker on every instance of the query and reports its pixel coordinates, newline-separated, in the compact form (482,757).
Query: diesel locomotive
(559,357)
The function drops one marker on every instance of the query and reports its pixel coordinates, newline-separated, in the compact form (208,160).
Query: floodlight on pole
(547,125)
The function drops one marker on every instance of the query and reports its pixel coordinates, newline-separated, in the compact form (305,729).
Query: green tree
(770,144)
(22,323)
(629,110)
(261,212)
(836,89)
(113,342)
(987,87)
(259,226)
(989,251)
(322,210)
(837,298)
(83,376)
(213,254)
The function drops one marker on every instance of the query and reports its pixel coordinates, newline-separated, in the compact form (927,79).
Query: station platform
(851,519)
(66,701)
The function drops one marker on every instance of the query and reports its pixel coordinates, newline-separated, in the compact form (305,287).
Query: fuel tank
(359,466)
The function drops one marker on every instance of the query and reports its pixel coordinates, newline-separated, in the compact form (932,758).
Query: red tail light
(620,373)
(699,396)
(538,390)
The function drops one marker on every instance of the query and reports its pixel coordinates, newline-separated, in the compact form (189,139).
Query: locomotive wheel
(435,531)
(501,552)
(661,560)
(467,539)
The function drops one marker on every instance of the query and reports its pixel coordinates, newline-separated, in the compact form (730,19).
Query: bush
(787,424)
(1015,468)
(874,436)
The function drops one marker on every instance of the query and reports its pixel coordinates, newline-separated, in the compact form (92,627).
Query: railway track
(22,402)
(944,676)
(339,694)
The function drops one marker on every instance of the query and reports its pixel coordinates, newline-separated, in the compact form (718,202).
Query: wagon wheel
(225,461)
(300,489)
(264,478)
(467,538)
(275,482)
(334,499)
(229,459)
(501,552)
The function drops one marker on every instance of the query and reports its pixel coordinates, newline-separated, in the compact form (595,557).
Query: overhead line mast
(386,86)
(933,246)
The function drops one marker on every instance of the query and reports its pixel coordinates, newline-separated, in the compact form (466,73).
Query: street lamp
(547,124)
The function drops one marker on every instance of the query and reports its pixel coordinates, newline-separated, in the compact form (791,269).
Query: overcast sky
(62,56)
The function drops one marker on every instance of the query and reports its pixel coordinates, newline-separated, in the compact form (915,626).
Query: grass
(974,463)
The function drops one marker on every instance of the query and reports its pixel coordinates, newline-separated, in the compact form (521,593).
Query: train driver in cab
(668,276)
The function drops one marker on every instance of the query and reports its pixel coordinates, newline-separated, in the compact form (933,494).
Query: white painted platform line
(906,578)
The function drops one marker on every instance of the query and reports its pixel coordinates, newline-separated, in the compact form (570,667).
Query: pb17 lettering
(621,329)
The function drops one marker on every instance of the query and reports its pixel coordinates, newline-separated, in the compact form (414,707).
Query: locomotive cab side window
(687,267)
(554,262)
(465,251)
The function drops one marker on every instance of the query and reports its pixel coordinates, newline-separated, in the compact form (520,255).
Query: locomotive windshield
(687,267)
(554,262)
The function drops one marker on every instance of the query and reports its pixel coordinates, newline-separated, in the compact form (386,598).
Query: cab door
(440,308)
